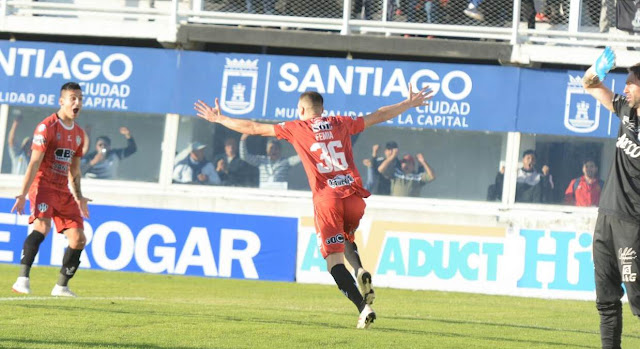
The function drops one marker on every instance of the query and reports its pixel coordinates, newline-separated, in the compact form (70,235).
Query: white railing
(161,20)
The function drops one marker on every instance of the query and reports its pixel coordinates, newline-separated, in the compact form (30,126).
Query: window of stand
(131,142)
(457,161)
(552,164)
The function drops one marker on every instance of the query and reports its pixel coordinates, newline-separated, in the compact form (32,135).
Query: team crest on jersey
(58,136)
(78,140)
(39,140)
(239,85)
(42,207)
(580,114)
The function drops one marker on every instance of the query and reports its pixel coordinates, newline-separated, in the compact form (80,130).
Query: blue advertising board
(554,102)
(466,96)
(169,242)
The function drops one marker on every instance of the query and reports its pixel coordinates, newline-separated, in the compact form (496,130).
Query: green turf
(134,310)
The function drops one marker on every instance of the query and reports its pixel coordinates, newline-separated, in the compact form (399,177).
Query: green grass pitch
(135,310)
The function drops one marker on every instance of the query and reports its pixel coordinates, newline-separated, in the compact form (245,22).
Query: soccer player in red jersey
(324,147)
(55,163)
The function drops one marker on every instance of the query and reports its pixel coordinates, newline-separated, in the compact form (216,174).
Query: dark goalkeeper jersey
(621,193)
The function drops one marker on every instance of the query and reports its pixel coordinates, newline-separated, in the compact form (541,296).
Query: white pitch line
(38,298)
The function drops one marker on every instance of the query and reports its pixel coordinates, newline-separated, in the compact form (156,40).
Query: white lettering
(197,238)
(312,80)
(245,256)
(88,71)
(58,65)
(99,245)
(126,73)
(285,74)
(335,76)
(167,254)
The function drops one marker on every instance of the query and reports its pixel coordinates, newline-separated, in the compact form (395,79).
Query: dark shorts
(616,243)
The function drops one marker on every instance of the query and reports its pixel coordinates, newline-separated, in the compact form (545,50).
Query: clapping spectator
(232,170)
(407,180)
(195,168)
(531,185)
(103,163)
(375,182)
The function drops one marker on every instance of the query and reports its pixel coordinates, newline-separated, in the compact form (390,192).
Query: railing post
(385,14)
(196,5)
(3,12)
(516,23)
(346,15)
(174,13)
(575,13)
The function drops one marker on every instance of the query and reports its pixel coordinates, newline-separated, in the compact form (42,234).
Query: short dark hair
(314,97)
(275,143)
(529,151)
(589,160)
(70,86)
(104,139)
(635,69)
(391,145)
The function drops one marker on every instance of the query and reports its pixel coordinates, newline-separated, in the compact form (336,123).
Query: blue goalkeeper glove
(605,63)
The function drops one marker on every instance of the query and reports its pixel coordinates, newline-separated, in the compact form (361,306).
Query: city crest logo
(581,112)
(239,85)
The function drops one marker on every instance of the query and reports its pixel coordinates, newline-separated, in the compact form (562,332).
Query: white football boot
(22,285)
(365,285)
(62,291)
(367,316)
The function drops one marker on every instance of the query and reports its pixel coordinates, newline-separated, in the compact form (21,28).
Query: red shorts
(61,206)
(337,220)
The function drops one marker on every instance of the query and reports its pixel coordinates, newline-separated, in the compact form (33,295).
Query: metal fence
(582,23)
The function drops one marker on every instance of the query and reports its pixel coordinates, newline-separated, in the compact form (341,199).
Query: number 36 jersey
(324,147)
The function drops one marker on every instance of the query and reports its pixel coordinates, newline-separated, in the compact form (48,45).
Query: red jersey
(324,147)
(583,193)
(59,144)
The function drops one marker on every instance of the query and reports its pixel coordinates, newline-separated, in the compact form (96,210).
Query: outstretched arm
(239,125)
(385,113)
(593,77)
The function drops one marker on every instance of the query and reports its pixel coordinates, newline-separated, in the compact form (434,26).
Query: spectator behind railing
(232,170)
(267,7)
(585,190)
(194,168)
(273,168)
(361,9)
(19,154)
(531,185)
(103,163)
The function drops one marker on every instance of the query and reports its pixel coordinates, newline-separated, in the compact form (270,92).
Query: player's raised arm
(388,112)
(239,125)
(593,77)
